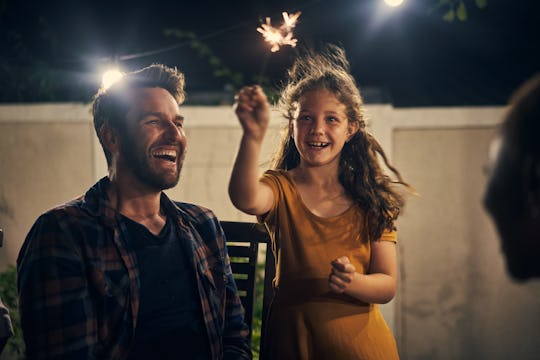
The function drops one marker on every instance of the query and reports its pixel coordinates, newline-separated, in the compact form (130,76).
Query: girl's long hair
(360,171)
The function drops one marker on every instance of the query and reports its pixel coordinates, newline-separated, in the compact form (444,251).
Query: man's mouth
(168,155)
(318,144)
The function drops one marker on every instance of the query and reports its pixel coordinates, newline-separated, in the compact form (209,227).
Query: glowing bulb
(110,77)
(393,3)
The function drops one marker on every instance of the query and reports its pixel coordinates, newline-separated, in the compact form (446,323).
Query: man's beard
(136,159)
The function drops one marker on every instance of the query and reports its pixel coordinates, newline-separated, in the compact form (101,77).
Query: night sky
(410,55)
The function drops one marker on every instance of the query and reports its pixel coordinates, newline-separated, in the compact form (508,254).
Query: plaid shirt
(79,283)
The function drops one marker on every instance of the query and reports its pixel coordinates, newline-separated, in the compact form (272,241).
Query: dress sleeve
(270,178)
(388,235)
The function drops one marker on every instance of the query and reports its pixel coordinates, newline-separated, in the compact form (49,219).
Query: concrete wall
(455,299)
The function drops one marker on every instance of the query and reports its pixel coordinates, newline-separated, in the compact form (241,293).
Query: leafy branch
(8,289)
(220,70)
(457,9)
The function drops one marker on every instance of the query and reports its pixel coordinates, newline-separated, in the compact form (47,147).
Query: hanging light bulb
(110,77)
(393,3)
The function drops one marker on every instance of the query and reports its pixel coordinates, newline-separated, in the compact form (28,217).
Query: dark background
(408,56)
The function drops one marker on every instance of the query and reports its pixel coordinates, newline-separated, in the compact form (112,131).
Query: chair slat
(243,239)
(242,284)
(244,268)
(240,251)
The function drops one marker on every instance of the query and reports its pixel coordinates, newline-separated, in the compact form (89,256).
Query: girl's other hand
(252,109)
(341,274)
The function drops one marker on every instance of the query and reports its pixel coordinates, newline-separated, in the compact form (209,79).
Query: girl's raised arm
(247,193)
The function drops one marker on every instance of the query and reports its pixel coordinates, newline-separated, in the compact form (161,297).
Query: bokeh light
(393,3)
(110,77)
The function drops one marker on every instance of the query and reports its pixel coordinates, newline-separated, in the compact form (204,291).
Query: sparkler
(282,35)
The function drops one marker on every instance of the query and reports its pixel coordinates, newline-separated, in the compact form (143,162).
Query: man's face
(152,148)
(506,202)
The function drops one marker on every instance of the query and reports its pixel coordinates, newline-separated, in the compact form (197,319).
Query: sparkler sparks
(282,35)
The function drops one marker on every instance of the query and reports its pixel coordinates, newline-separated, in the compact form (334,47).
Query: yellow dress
(306,319)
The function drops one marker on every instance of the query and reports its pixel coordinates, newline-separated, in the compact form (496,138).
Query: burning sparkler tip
(282,35)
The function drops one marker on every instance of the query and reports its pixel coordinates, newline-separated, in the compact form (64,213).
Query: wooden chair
(243,239)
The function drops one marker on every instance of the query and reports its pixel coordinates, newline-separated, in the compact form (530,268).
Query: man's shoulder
(196,212)
(55,229)
(72,208)
(203,219)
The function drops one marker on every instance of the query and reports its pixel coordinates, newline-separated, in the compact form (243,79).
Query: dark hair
(110,105)
(522,124)
(360,172)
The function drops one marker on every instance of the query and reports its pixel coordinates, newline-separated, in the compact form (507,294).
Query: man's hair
(110,105)
(522,125)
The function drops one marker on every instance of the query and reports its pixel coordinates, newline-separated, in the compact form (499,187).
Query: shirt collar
(96,202)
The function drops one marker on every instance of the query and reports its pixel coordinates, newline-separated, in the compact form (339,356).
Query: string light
(393,3)
(110,77)
(282,35)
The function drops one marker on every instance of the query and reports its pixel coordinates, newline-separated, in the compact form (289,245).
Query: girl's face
(320,128)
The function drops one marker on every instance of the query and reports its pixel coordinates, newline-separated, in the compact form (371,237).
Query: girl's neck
(316,176)
(321,191)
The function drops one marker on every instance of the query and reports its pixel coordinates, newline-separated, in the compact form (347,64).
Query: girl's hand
(341,274)
(252,110)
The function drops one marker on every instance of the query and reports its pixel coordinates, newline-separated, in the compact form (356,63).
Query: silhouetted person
(512,195)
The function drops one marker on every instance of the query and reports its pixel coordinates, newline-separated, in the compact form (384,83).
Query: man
(123,272)
(512,196)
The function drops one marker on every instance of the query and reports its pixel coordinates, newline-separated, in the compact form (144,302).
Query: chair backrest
(243,239)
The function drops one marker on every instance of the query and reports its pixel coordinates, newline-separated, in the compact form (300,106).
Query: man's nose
(173,132)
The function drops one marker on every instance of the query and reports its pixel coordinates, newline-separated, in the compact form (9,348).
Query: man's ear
(531,183)
(110,138)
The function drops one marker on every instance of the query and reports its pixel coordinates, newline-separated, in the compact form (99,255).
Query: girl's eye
(305,117)
(332,119)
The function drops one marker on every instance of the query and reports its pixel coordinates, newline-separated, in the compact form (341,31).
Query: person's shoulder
(278,179)
(275,176)
(203,220)
(72,208)
(52,230)
(275,173)
(61,219)
(198,213)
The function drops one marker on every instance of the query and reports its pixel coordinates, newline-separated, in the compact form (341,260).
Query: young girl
(330,212)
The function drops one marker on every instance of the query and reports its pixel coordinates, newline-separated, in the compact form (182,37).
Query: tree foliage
(30,70)
(234,79)
(8,289)
(456,9)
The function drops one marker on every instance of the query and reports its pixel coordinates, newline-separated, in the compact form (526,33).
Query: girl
(330,212)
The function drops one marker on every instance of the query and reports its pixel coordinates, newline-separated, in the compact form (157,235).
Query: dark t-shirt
(170,322)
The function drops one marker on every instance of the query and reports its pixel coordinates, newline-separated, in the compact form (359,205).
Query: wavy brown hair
(360,171)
